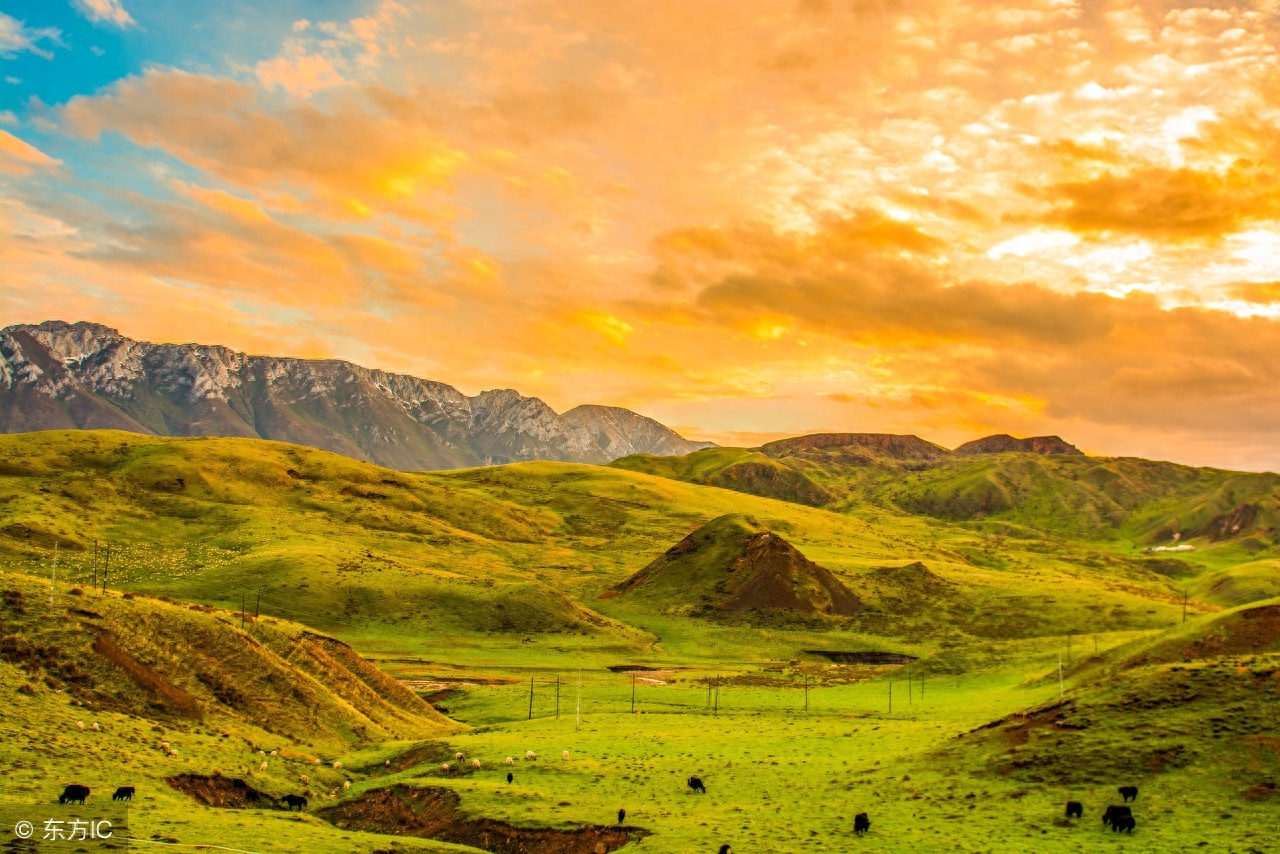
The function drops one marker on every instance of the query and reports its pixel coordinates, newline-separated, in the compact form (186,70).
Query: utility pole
(530,698)
(106,568)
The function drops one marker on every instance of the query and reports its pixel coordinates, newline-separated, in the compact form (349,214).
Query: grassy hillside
(483,585)
(402,564)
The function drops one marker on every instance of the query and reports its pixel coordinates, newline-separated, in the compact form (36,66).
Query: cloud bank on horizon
(746,219)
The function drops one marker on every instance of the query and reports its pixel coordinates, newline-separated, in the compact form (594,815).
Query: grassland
(468,584)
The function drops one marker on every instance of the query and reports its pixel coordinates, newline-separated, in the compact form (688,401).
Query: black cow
(725,849)
(1114,812)
(861,824)
(622,816)
(510,776)
(124,793)
(291,801)
(1123,823)
(695,783)
(1129,793)
(74,794)
(1075,809)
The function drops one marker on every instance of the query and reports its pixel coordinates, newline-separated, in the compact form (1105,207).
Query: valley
(329,609)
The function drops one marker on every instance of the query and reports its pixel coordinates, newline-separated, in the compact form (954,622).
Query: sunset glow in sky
(746,219)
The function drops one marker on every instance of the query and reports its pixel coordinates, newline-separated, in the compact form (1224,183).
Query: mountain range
(56,375)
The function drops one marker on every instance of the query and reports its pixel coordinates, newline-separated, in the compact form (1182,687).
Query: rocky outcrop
(57,375)
(1003,443)
(854,446)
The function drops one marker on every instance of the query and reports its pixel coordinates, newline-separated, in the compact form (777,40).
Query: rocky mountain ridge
(57,375)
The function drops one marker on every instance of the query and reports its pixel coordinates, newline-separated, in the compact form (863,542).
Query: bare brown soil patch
(432,813)
(171,695)
(219,791)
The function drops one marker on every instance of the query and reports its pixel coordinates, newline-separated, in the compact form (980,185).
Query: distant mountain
(57,375)
(1003,443)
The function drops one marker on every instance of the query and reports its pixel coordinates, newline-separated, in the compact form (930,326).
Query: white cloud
(16,37)
(105,11)
(1032,243)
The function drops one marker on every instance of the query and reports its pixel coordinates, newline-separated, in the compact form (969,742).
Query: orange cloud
(18,157)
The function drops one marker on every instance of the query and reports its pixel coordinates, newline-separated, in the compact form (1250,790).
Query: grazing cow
(475,763)
(123,793)
(1115,812)
(622,816)
(1075,809)
(74,794)
(1123,823)
(695,784)
(1129,793)
(511,760)
(510,776)
(725,849)
(291,801)
(861,824)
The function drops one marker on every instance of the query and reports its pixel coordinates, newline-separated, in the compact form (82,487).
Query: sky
(746,219)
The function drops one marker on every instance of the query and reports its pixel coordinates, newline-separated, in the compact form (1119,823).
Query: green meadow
(331,610)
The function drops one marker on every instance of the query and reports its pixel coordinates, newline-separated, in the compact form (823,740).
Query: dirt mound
(912,578)
(432,813)
(1003,443)
(219,791)
(733,564)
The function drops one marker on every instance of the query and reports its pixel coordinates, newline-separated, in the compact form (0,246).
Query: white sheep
(96,728)
(262,767)
(387,763)
(529,754)
(262,753)
(173,753)
(564,754)
(346,784)
(273,753)
(511,761)
(80,725)
(317,762)
(444,766)
(304,779)
(458,756)
(336,765)
(164,745)
(475,763)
